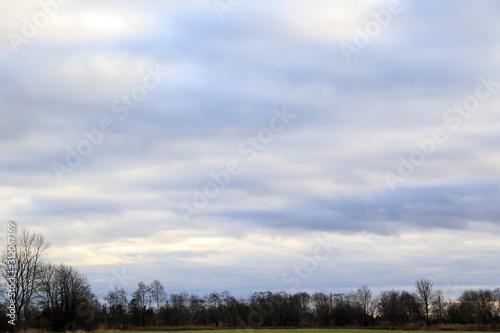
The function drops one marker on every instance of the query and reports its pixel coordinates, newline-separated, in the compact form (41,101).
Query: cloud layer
(210,147)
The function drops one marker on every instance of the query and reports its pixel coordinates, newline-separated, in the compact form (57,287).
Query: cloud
(325,172)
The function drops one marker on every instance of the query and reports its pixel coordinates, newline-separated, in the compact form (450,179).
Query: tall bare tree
(158,293)
(439,305)
(425,295)
(159,297)
(117,306)
(364,297)
(29,260)
(141,302)
(47,290)
(390,307)
(70,300)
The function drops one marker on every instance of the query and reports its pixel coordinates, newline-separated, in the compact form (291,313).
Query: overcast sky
(255,145)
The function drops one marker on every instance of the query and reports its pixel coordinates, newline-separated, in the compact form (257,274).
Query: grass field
(306,330)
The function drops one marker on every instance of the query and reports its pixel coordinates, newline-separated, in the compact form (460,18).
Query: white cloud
(75,26)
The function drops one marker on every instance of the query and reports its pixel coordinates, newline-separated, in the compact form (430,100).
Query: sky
(255,145)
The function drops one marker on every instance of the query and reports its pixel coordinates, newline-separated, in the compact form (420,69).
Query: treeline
(151,306)
(59,298)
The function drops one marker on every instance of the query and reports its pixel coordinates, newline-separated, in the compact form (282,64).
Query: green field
(306,330)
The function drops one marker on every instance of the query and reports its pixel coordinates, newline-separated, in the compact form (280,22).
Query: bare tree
(141,302)
(158,293)
(73,299)
(142,294)
(321,308)
(364,297)
(390,307)
(410,306)
(304,299)
(29,258)
(117,302)
(47,290)
(159,297)
(214,299)
(479,305)
(439,305)
(425,295)
(117,297)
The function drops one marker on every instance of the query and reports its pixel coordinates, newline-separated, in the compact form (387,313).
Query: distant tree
(364,298)
(198,312)
(117,306)
(158,296)
(234,310)
(303,300)
(321,308)
(27,265)
(280,311)
(117,297)
(179,311)
(47,290)
(439,306)
(343,310)
(479,304)
(68,298)
(425,295)
(262,306)
(141,303)
(214,302)
(390,307)
(410,306)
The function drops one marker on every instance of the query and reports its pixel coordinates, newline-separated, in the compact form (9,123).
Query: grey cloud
(425,207)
